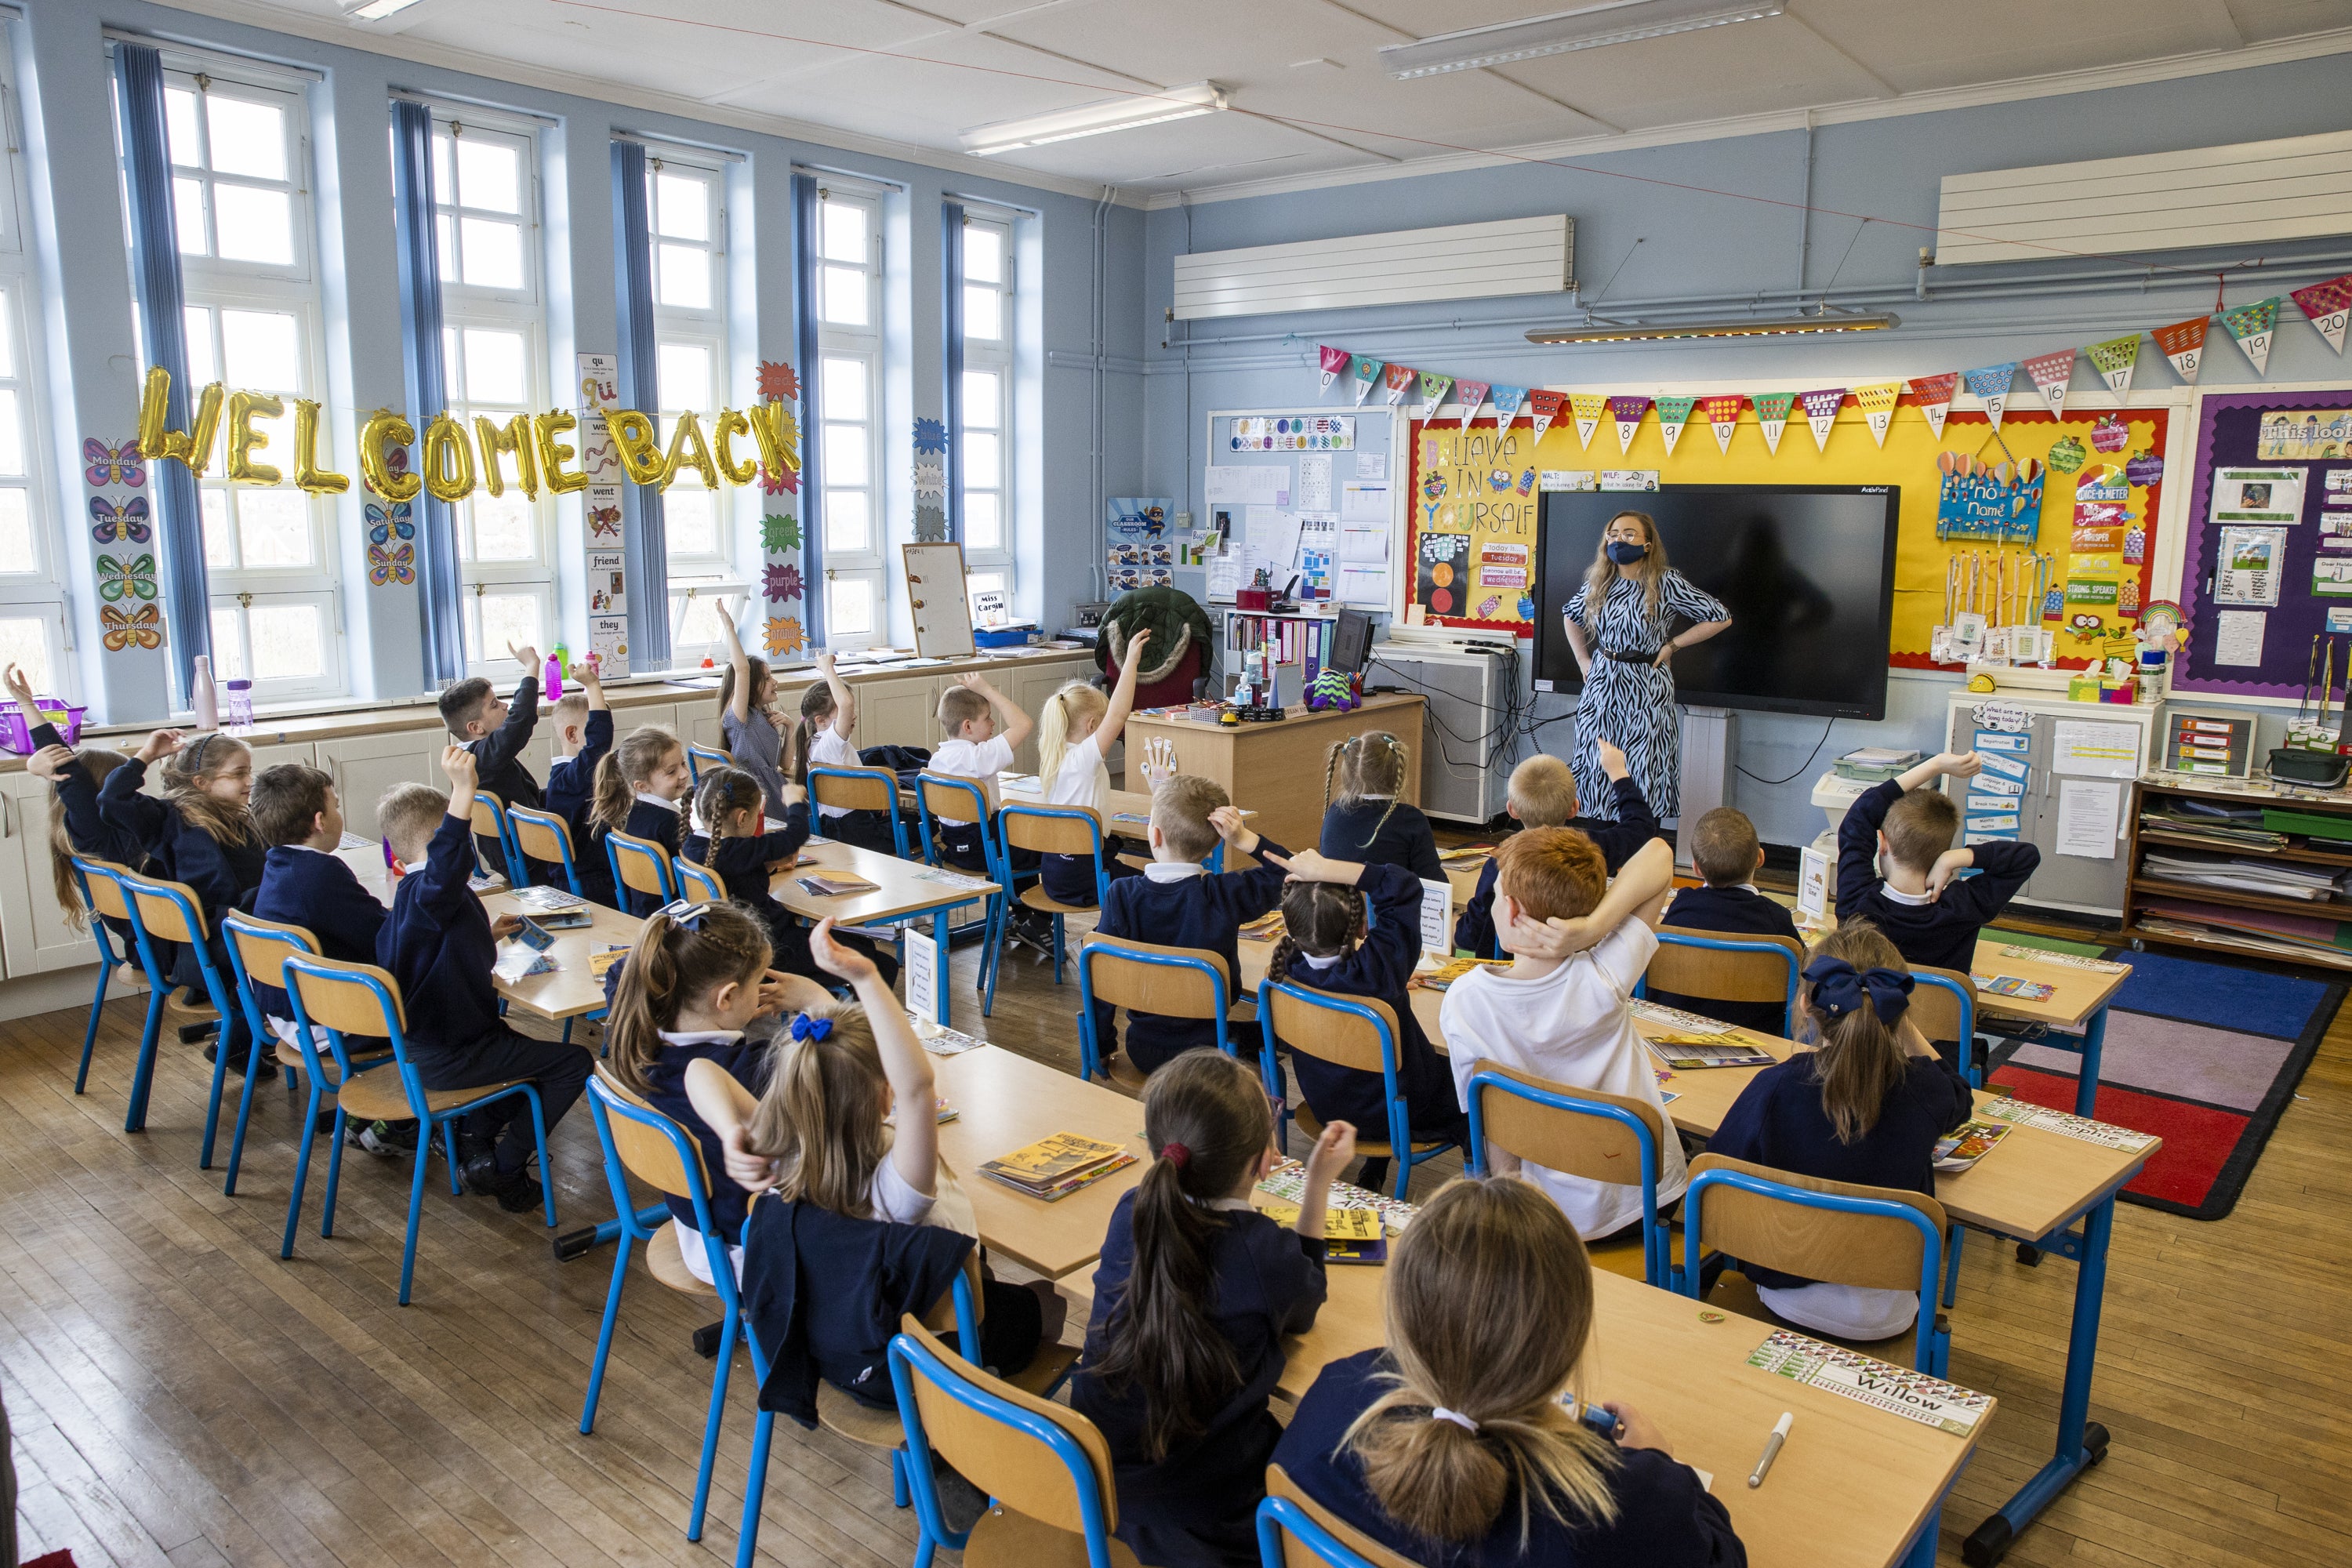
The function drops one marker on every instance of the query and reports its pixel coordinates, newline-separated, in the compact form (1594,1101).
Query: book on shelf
(1054,1167)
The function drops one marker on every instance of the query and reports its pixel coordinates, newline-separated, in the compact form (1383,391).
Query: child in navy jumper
(1725,852)
(731,804)
(1367,823)
(76,825)
(1931,918)
(1866,1107)
(641,787)
(1192,1300)
(1177,903)
(1543,794)
(1326,945)
(495,732)
(984,729)
(303,881)
(584,732)
(440,944)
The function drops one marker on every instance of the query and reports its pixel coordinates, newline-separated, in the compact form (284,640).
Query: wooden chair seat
(291,1057)
(1375,1147)
(379,1096)
(1003,1539)
(1036,898)
(1735,1293)
(1138,861)
(1126,1075)
(665,1261)
(1623,1255)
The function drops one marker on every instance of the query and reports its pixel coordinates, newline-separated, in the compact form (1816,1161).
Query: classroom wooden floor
(180,1395)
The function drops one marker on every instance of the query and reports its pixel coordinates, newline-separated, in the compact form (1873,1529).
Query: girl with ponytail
(1865,1105)
(1194,1294)
(1075,730)
(734,843)
(1365,816)
(639,786)
(1453,1446)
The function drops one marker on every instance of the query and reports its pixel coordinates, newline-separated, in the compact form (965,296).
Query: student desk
(901,889)
(1652,1349)
(2073,1017)
(1003,1101)
(1277,769)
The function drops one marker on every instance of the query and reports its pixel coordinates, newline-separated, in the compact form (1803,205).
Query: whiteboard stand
(937,596)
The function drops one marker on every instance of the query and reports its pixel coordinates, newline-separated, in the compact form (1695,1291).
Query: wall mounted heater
(1413,266)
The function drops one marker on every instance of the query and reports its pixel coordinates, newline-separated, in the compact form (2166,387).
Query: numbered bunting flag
(1543,407)
(1772,414)
(1934,395)
(1674,413)
(1470,395)
(1821,411)
(1335,364)
(1876,402)
(1723,412)
(1627,412)
(2253,325)
(1991,384)
(2114,361)
(2329,305)
(1396,378)
(1588,408)
(1367,370)
(1507,400)
(2051,372)
(2183,343)
(1433,388)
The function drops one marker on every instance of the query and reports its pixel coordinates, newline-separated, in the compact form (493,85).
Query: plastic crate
(16,730)
(1005,636)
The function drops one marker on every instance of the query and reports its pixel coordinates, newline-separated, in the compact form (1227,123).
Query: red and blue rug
(2206,1054)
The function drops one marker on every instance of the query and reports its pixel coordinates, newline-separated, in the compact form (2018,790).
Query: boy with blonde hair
(1543,794)
(983,728)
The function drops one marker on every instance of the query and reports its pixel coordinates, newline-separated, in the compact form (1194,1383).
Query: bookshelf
(2285,928)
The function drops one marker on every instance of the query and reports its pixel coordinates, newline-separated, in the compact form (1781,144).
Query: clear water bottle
(239,712)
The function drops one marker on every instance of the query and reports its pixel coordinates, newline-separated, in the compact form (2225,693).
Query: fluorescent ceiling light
(377,10)
(1586,28)
(1094,118)
(1733,327)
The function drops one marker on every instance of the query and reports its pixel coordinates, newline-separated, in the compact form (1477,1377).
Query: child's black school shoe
(515,1192)
(236,1063)
(384,1140)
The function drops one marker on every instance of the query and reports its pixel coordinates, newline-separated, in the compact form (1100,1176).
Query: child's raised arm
(593,682)
(914,1150)
(1639,892)
(739,706)
(844,703)
(1013,724)
(1122,696)
(726,1108)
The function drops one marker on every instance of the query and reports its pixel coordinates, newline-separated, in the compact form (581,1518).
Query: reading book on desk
(1288,1182)
(2013,986)
(547,900)
(1450,969)
(1054,1167)
(834,885)
(1964,1145)
(1465,852)
(1350,1236)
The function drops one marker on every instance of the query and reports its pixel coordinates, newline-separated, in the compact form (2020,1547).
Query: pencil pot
(17,729)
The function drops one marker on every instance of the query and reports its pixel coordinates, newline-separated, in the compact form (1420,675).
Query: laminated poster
(2258,495)
(2248,563)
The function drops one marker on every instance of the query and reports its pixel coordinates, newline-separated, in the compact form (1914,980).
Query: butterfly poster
(114,465)
(130,578)
(125,628)
(127,524)
(392,564)
(385,526)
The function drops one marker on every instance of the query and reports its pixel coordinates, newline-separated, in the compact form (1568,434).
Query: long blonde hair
(1650,572)
(96,761)
(1056,719)
(1860,1060)
(626,766)
(821,1118)
(1481,1241)
(671,966)
(188,774)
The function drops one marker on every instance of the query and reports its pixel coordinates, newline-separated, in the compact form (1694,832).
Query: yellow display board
(1476,498)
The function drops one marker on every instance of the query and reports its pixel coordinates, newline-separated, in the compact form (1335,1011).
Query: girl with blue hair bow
(1864,1106)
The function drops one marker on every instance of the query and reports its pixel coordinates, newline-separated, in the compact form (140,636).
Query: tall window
(494,362)
(241,205)
(32,600)
(849,393)
(685,204)
(985,472)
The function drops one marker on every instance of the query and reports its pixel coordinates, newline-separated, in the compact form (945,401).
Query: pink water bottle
(551,684)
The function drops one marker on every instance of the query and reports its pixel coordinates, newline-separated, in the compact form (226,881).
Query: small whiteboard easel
(936,593)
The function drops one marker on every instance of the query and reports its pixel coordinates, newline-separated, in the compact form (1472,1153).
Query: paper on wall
(2087,815)
(1364,544)
(2247,571)
(1314,492)
(2088,749)
(1273,535)
(1371,465)
(1224,573)
(1247,484)
(1364,502)
(2237,637)
(1364,586)
(2258,495)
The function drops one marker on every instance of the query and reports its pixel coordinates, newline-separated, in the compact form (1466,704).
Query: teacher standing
(1621,625)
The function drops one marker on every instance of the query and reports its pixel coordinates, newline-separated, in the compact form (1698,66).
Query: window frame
(846,571)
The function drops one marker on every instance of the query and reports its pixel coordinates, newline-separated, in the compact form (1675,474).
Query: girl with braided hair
(1364,819)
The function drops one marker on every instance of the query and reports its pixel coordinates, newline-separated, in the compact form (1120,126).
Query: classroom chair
(697,884)
(171,912)
(543,837)
(1294,1530)
(1140,976)
(1054,830)
(1944,1008)
(1357,1032)
(1047,1468)
(859,789)
(962,798)
(1712,966)
(490,822)
(640,865)
(698,757)
(345,999)
(100,882)
(1880,1239)
(1579,1133)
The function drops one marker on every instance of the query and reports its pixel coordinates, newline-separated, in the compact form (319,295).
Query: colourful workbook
(547,899)
(834,885)
(1450,969)
(1914,1395)
(2013,985)
(1964,1145)
(1052,1168)
(1287,1182)
(1350,1236)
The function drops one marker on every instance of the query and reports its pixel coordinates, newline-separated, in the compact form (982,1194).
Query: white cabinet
(366,767)
(900,712)
(34,935)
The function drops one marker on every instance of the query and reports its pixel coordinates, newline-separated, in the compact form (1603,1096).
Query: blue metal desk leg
(579,1243)
(2086,1072)
(939,966)
(2082,1442)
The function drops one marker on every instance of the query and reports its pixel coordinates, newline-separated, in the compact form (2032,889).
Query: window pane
(692,521)
(25,642)
(228,646)
(220,550)
(697,618)
(493,253)
(11,439)
(506,620)
(273,527)
(498,368)
(288,644)
(983,255)
(842,385)
(255,225)
(847,516)
(983,313)
(197,324)
(8,340)
(445,245)
(844,296)
(847,459)
(683,275)
(975,583)
(445,178)
(180,127)
(681,207)
(16,532)
(682,372)
(844,231)
(980,411)
(489,174)
(849,607)
(983,526)
(982,461)
(263,348)
(246,137)
(504,528)
(188,216)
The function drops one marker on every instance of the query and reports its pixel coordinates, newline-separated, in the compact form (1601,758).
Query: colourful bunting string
(1543,407)
(1991,384)
(1674,413)
(1335,364)
(1772,414)
(2252,325)
(2114,360)
(1367,370)
(1589,406)
(1876,402)
(1627,412)
(1398,378)
(2329,306)
(1934,395)
(1821,411)
(1723,412)
(1507,400)
(1470,395)
(2183,343)
(2051,372)
(1433,388)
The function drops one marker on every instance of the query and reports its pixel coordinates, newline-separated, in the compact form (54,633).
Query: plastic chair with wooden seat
(543,837)
(1294,1530)
(859,789)
(490,822)
(346,999)
(697,884)
(1880,1239)
(1047,1468)
(1143,977)
(102,891)
(1716,967)
(1073,830)
(1578,1132)
(1357,1032)
(639,866)
(698,757)
(938,797)
(173,911)
(1944,1008)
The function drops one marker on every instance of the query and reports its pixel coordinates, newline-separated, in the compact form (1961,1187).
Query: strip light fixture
(1562,32)
(377,10)
(1095,119)
(1729,327)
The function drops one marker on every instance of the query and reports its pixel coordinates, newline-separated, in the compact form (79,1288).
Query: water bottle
(240,704)
(551,684)
(202,695)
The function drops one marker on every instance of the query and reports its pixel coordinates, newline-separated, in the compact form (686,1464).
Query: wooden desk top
(1298,714)
(1650,1349)
(901,887)
(2078,993)
(1005,1102)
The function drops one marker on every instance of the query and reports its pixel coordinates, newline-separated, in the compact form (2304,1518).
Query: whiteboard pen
(1772,1446)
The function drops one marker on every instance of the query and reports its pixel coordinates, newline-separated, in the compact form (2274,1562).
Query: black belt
(1623,657)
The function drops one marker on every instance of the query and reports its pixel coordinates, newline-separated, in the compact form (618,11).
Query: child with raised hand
(1075,731)
(1542,794)
(821,740)
(734,844)
(1193,1299)
(639,786)
(984,729)
(75,825)
(748,718)
(1328,944)
(1865,1105)
(495,732)
(583,734)
(1364,820)
(1455,1444)
(1931,919)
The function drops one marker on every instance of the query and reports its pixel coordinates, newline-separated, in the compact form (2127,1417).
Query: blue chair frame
(562,831)
(159,985)
(430,1122)
(703,878)
(999,871)
(216,990)
(1734,944)
(1102,877)
(614,850)
(1278,1514)
(1090,1048)
(898,823)
(1657,1246)
(1972,1069)
(515,868)
(698,756)
(1400,1127)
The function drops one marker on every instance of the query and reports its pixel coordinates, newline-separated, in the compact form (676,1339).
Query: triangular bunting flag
(2253,326)
(2051,372)
(1772,414)
(1674,413)
(1507,400)
(1588,408)
(2329,305)
(2114,361)
(1991,384)
(1367,372)
(1723,412)
(2183,343)
(1398,377)
(1470,395)
(1876,402)
(1821,411)
(1934,395)
(1433,388)
(1335,364)
(1543,407)
(1627,412)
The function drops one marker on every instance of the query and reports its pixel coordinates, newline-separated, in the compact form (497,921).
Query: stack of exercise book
(2285,935)
(2241,874)
(2219,823)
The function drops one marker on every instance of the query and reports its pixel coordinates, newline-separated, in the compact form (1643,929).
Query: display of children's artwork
(1996,503)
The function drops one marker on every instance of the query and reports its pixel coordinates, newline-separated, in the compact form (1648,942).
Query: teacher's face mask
(1625,553)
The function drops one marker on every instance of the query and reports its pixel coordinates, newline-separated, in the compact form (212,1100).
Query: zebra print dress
(1633,705)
